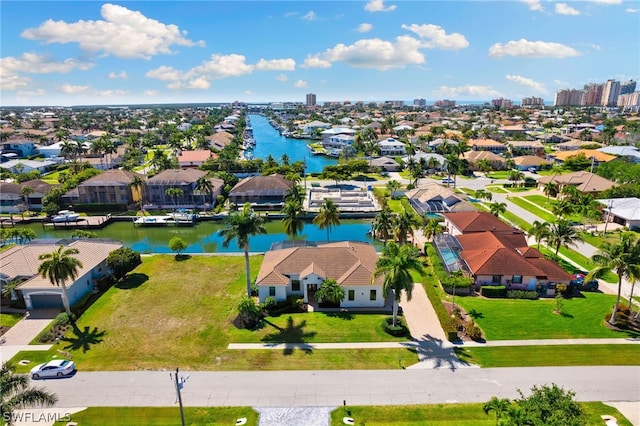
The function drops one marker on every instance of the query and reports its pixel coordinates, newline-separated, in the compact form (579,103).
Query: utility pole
(179,383)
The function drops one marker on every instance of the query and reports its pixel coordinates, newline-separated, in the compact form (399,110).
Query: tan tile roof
(176,177)
(195,155)
(484,142)
(583,181)
(475,156)
(112,177)
(349,263)
(23,260)
(254,184)
(529,160)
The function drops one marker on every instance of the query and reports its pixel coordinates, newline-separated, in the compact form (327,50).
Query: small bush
(400,330)
(269,303)
(494,291)
(522,294)
(474,332)
(63,320)
(46,337)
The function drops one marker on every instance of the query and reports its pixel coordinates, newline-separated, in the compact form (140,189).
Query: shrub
(494,291)
(447,280)
(400,330)
(269,303)
(522,294)
(46,337)
(474,331)
(63,320)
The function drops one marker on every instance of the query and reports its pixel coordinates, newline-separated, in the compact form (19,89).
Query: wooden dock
(83,222)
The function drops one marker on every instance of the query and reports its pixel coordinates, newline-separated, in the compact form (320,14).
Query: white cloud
(372,53)
(123,33)
(378,6)
(150,92)
(12,68)
(10,81)
(606,1)
(30,93)
(364,27)
(112,93)
(315,62)
(561,83)
(300,84)
(121,74)
(276,65)
(532,49)
(524,81)
(631,10)
(534,5)
(73,90)
(282,77)
(435,36)
(165,73)
(310,16)
(565,9)
(468,91)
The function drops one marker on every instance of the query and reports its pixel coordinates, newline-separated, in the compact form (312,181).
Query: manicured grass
(448,414)
(583,260)
(134,416)
(509,319)
(497,189)
(544,356)
(9,320)
(542,201)
(180,313)
(515,220)
(36,357)
(498,175)
(532,208)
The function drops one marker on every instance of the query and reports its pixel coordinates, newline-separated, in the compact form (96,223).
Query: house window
(352,295)
(272,291)
(372,295)
(496,279)
(295,285)
(517,279)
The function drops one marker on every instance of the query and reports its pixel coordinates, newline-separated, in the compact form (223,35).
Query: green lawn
(180,313)
(510,319)
(448,415)
(9,320)
(134,416)
(503,174)
(497,189)
(546,216)
(544,356)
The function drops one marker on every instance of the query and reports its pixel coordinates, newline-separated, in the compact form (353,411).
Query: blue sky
(89,52)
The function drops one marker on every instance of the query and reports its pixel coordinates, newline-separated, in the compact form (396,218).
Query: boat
(183,215)
(65,216)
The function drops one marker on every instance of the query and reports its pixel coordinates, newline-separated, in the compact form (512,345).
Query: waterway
(204,237)
(270,142)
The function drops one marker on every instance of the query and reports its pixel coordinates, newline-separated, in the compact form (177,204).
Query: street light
(179,383)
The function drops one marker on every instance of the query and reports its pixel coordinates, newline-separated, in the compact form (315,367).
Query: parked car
(447,180)
(532,170)
(579,284)
(53,368)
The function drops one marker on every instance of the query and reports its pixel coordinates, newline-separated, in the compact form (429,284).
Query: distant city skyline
(155,52)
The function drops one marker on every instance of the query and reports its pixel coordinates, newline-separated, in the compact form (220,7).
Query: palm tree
(204,187)
(550,189)
(483,194)
(562,234)
(396,264)
(539,231)
(25,192)
(59,266)
(562,208)
(16,394)
(330,292)
(240,226)
(295,193)
(499,405)
(383,224)
(293,218)
(138,183)
(403,225)
(393,186)
(431,228)
(623,258)
(327,217)
(497,208)
(174,194)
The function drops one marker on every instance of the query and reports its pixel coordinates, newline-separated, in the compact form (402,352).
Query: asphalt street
(331,388)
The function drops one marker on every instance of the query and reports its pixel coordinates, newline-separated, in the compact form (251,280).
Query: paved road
(330,388)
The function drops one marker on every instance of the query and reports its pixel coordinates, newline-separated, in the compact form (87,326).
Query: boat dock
(85,222)
(162,221)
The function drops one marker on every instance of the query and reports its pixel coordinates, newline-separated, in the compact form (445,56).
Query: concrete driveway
(18,337)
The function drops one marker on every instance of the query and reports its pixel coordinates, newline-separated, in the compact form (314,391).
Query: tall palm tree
(204,187)
(174,194)
(539,231)
(550,189)
(293,218)
(395,264)
(138,183)
(25,191)
(623,258)
(497,208)
(383,224)
(327,217)
(562,234)
(240,226)
(16,394)
(403,225)
(431,228)
(483,194)
(59,266)
(563,208)
(295,193)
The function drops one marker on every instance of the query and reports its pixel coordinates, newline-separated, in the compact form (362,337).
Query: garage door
(39,301)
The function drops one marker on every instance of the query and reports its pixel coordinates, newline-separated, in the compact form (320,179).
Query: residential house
(474,157)
(391,147)
(26,166)
(525,162)
(434,198)
(427,158)
(628,152)
(40,188)
(186,181)
(594,155)
(11,199)
(585,182)
(301,271)
(219,140)
(623,211)
(526,148)
(511,130)
(22,148)
(110,187)
(21,262)
(261,191)
(386,164)
(469,222)
(575,145)
(337,138)
(315,128)
(487,145)
(194,158)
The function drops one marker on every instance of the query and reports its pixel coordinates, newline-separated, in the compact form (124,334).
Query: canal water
(204,237)
(270,142)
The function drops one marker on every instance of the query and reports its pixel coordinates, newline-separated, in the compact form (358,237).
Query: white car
(53,368)
(447,180)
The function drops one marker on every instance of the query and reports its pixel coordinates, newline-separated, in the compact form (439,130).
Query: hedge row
(446,279)
(496,291)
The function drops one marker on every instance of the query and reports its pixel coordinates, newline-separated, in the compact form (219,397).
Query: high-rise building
(569,97)
(445,103)
(629,100)
(420,102)
(311,99)
(592,94)
(532,102)
(502,103)
(627,87)
(610,93)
